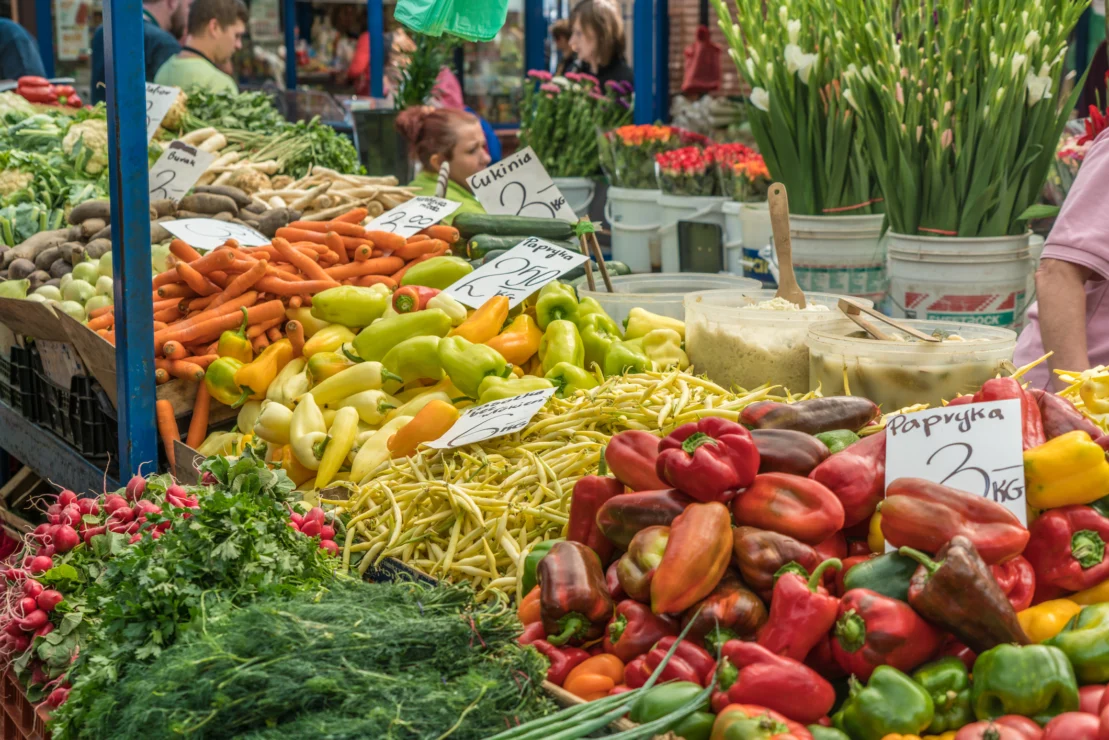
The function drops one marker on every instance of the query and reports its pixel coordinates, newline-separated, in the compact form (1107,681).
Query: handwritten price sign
(414,216)
(159,99)
(975,448)
(495,419)
(517,273)
(520,186)
(208,233)
(177,170)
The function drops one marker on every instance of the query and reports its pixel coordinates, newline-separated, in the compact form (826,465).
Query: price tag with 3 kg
(414,216)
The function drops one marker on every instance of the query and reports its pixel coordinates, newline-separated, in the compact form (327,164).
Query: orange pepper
(484,323)
(528,610)
(595,677)
(519,342)
(285,459)
(431,423)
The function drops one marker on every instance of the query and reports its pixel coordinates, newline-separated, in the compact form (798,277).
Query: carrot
(295,301)
(240,266)
(337,246)
(274,333)
(196,281)
(339,227)
(183,251)
(197,329)
(102,322)
(219,277)
(186,370)
(201,303)
(449,234)
(198,426)
(159,325)
(421,237)
(362,253)
(330,259)
(241,283)
(368,280)
(168,314)
(164,303)
(298,235)
(244,301)
(217,259)
(167,427)
(176,290)
(202,361)
(412,250)
(259,329)
(166,278)
(171,348)
(211,349)
(260,342)
(231,242)
(295,330)
(98,312)
(386,240)
(293,287)
(379,266)
(311,270)
(161,376)
(353,242)
(353,216)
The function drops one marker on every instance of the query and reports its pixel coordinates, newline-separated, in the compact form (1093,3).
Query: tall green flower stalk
(959,100)
(807,133)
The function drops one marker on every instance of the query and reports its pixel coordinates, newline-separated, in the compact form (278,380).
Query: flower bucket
(675,208)
(975,281)
(840,254)
(747,229)
(633,216)
(578,192)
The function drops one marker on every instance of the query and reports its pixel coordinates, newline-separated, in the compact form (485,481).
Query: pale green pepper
(273,423)
(351,305)
(664,348)
(640,322)
(494,388)
(289,384)
(372,405)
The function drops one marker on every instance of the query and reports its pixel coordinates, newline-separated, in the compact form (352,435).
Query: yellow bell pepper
(364,376)
(1068,470)
(375,450)
(287,461)
(1047,619)
(431,423)
(323,365)
(640,322)
(664,348)
(875,540)
(372,405)
(233,343)
(484,323)
(329,339)
(258,375)
(520,340)
(1098,594)
(273,423)
(307,429)
(340,438)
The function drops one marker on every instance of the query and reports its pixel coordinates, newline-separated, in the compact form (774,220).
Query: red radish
(311,528)
(91,532)
(15,574)
(57,697)
(41,532)
(327,532)
(144,507)
(209,480)
(177,491)
(71,515)
(117,527)
(122,514)
(41,564)
(330,546)
(54,513)
(65,538)
(136,487)
(155,534)
(132,527)
(162,526)
(135,538)
(19,642)
(297,519)
(49,599)
(13,629)
(34,620)
(27,605)
(114,501)
(88,506)
(47,551)
(44,630)
(67,497)
(38,675)
(32,588)
(315,514)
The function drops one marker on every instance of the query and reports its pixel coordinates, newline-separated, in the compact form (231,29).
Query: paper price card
(177,170)
(520,186)
(494,419)
(974,447)
(159,99)
(208,233)
(517,273)
(414,216)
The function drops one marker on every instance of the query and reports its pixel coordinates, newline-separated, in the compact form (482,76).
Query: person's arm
(1060,289)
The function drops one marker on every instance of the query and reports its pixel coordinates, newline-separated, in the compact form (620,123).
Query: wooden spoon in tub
(783,248)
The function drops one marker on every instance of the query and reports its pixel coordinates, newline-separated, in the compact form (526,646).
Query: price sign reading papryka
(177,170)
(159,99)
(414,216)
(520,186)
(973,447)
(494,419)
(517,273)
(208,233)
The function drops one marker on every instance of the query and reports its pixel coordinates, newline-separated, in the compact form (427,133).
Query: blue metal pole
(535,35)
(643,63)
(662,61)
(44,33)
(375,18)
(125,75)
(288,8)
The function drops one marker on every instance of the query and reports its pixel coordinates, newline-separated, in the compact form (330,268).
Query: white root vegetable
(224,178)
(305,200)
(330,213)
(225,159)
(276,202)
(195,138)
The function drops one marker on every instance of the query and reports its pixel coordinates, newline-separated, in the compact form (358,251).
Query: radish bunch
(314,524)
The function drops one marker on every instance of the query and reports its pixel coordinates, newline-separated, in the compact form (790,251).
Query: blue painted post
(44,33)
(288,9)
(375,18)
(643,63)
(125,76)
(535,35)
(662,61)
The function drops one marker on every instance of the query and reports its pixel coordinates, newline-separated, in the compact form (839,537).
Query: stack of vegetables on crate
(775,543)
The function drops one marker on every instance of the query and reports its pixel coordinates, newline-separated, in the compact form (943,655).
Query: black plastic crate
(92,418)
(24,362)
(51,404)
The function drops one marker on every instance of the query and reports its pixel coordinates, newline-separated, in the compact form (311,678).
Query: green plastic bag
(473,20)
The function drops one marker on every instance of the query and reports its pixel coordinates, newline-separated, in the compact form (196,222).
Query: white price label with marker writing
(517,273)
(414,216)
(159,99)
(177,170)
(520,186)
(972,447)
(208,233)
(493,419)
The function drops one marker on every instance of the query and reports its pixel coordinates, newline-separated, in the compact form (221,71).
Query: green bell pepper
(437,272)
(666,698)
(1085,642)
(350,305)
(220,379)
(375,341)
(837,439)
(598,333)
(887,574)
(591,307)
(531,563)
(890,703)
(1035,681)
(561,343)
(820,732)
(467,364)
(414,359)
(570,378)
(627,357)
(556,301)
(496,388)
(948,683)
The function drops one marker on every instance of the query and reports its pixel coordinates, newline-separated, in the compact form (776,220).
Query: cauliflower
(12,181)
(92,136)
(175,117)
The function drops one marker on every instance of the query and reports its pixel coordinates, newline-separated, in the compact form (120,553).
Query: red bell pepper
(761,555)
(634,630)
(621,517)
(952,647)
(731,612)
(1008,727)
(1061,416)
(636,569)
(822,660)
(752,722)
(612,580)
(801,612)
(787,451)
(631,456)
(859,546)
(833,547)
(857,476)
(1017,579)
(590,493)
(1071,726)
(1090,698)
(697,555)
(531,633)
(1031,423)
(848,564)
(751,674)
(925,516)
(44,95)
(811,416)
(574,600)
(1067,548)
(562,659)
(688,663)
(800,507)
(412,298)
(709,460)
(874,630)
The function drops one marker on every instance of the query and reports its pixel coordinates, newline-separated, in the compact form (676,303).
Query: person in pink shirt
(1071,316)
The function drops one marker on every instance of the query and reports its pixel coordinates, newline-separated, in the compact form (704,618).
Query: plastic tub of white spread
(661,294)
(906,371)
(747,338)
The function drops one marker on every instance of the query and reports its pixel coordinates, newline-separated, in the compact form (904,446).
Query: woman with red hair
(438,135)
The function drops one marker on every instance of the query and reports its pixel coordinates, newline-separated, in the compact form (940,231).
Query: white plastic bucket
(975,281)
(633,216)
(840,254)
(674,208)
(578,192)
(754,225)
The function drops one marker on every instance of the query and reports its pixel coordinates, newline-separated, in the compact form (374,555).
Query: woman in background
(597,38)
(438,135)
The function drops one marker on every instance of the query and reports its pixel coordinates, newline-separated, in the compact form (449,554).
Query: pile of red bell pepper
(41,90)
(767,538)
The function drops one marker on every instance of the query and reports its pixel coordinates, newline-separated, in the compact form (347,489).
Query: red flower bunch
(687,171)
(1095,124)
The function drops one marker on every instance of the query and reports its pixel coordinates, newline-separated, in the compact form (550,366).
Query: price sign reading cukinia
(517,273)
(494,419)
(414,216)
(520,186)
(177,170)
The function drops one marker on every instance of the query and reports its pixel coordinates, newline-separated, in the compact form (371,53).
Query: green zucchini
(614,268)
(480,245)
(471,224)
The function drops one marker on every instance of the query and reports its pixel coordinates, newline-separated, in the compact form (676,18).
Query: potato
(30,248)
(241,199)
(163,207)
(105,233)
(96,248)
(60,267)
(46,257)
(53,281)
(224,216)
(158,233)
(209,203)
(100,209)
(38,278)
(257,208)
(92,226)
(20,269)
(274,219)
